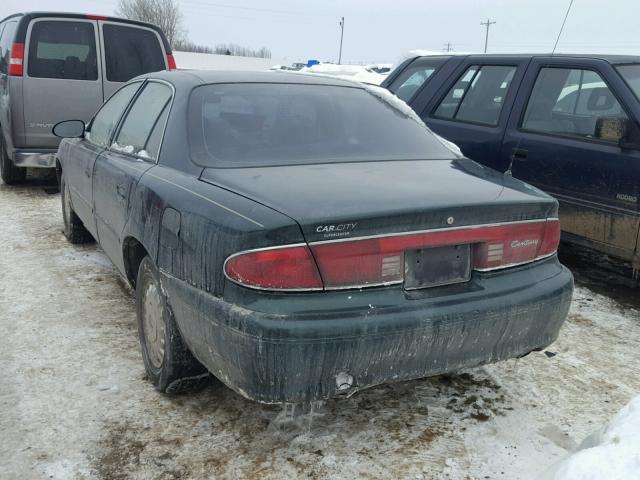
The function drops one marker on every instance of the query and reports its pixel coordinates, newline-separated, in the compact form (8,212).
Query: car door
(469,109)
(560,139)
(117,170)
(79,160)
(61,76)
(128,51)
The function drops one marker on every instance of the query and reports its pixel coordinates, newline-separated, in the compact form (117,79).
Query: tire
(10,174)
(74,230)
(169,364)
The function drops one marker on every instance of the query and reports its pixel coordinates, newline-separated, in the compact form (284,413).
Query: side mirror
(611,129)
(69,129)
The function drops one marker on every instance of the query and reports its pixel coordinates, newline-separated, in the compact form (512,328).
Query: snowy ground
(74,401)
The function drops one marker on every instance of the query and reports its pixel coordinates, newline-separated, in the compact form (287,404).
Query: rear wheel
(74,230)
(169,363)
(9,173)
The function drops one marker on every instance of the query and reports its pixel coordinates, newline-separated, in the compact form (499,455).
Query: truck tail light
(171,61)
(286,268)
(16,60)
(377,261)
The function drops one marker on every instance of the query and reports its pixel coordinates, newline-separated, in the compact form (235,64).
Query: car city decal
(336,230)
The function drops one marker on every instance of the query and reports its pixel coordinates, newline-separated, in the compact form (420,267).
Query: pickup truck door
(468,108)
(79,160)
(117,170)
(556,142)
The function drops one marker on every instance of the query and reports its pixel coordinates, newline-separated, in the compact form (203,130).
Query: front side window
(414,77)
(573,102)
(131,51)
(106,120)
(147,114)
(631,75)
(5,45)
(62,49)
(282,124)
(478,95)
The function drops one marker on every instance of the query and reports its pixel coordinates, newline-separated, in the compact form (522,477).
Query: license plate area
(432,267)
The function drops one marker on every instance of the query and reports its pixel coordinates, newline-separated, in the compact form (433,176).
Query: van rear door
(129,51)
(61,77)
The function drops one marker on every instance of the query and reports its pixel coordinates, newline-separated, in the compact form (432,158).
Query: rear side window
(478,95)
(131,51)
(5,45)
(106,120)
(136,135)
(63,49)
(414,77)
(572,102)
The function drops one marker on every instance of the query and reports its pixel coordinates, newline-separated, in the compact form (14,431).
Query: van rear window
(63,49)
(131,51)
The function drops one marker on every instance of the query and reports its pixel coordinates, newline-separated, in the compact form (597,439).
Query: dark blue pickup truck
(568,124)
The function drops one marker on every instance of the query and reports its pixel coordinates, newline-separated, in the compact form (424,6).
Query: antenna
(448,47)
(562,27)
(341,35)
(487,24)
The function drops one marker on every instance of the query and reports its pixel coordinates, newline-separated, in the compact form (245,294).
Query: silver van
(56,66)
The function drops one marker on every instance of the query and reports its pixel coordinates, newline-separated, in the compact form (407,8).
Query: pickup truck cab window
(478,96)
(106,120)
(573,102)
(414,77)
(631,75)
(136,136)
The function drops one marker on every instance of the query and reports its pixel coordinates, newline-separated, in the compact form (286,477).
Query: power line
(562,27)
(487,24)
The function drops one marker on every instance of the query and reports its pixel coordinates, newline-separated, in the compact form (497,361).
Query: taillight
(16,60)
(171,62)
(97,17)
(286,268)
(376,261)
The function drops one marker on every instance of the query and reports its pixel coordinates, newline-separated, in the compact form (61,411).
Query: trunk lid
(343,200)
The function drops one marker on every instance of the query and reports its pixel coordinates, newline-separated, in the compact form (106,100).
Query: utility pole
(341,35)
(487,24)
(448,47)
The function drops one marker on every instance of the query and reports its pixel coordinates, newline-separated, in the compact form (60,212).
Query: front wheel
(169,363)
(9,173)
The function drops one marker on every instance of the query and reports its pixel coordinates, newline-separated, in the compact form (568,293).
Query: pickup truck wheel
(169,363)
(9,173)
(74,230)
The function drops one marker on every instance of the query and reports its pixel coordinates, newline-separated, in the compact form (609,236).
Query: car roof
(610,58)
(202,77)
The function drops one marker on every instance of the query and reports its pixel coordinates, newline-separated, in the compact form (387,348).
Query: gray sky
(381,31)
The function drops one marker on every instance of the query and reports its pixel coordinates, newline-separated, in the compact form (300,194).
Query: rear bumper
(35,158)
(301,356)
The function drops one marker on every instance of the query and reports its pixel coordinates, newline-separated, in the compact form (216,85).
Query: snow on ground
(75,402)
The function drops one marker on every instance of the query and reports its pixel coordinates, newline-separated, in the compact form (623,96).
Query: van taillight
(171,62)
(16,60)
(376,261)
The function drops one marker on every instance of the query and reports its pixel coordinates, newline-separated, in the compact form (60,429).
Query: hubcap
(66,206)
(153,324)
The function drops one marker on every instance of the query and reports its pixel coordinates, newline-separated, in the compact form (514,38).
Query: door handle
(121,191)
(519,153)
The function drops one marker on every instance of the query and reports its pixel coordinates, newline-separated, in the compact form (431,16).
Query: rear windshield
(280,124)
(631,75)
(63,49)
(131,51)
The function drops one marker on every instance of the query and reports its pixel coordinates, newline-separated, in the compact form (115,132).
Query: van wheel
(74,230)
(9,173)
(169,363)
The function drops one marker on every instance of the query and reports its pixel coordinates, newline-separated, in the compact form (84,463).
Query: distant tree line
(166,14)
